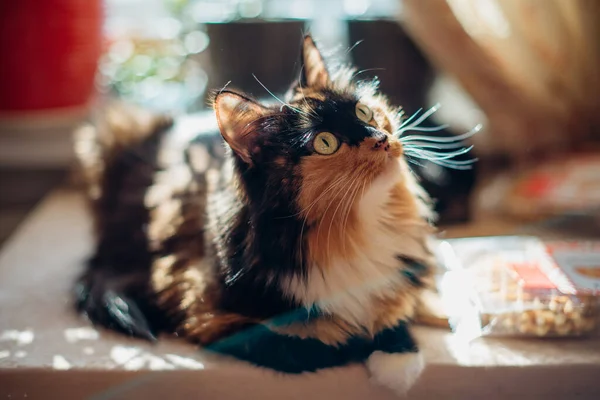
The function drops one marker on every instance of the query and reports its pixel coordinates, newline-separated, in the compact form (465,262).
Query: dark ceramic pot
(268,49)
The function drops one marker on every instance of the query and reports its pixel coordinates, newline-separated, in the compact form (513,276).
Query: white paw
(396,371)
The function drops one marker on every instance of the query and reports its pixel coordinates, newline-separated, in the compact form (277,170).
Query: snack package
(521,286)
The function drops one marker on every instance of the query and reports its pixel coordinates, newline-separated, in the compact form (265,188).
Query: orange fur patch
(314,66)
(331,187)
(206,328)
(387,312)
(186,292)
(402,205)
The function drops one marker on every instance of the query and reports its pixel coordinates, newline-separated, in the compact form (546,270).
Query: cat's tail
(114,129)
(118,161)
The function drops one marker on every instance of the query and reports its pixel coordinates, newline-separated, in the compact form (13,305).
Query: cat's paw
(395,371)
(115,301)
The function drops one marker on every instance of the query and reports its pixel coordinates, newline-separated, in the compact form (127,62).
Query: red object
(531,276)
(538,186)
(49,52)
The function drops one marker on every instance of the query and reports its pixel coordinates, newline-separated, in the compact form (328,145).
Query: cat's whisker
(457,138)
(412,161)
(405,126)
(425,129)
(331,186)
(443,161)
(448,160)
(325,213)
(416,146)
(340,202)
(362,71)
(224,87)
(354,45)
(431,145)
(461,162)
(453,164)
(419,146)
(409,118)
(423,149)
(442,156)
(302,242)
(311,110)
(283,103)
(348,211)
(448,164)
(345,214)
(307,209)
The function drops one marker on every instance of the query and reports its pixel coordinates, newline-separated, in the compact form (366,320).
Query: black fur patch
(114,290)
(414,270)
(261,346)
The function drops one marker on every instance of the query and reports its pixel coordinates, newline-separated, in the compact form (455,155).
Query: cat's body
(305,248)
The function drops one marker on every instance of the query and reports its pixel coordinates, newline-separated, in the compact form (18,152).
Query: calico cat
(301,244)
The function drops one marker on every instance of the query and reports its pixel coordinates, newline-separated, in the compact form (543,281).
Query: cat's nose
(382,144)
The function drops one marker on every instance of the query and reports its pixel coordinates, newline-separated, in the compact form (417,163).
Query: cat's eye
(326,143)
(363,112)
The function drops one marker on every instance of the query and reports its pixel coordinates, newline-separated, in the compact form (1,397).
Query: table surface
(42,338)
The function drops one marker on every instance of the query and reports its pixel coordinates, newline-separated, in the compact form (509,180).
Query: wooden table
(48,352)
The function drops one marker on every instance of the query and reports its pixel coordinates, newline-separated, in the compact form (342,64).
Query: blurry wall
(533,66)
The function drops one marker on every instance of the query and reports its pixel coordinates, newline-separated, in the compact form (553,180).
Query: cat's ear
(314,71)
(235,115)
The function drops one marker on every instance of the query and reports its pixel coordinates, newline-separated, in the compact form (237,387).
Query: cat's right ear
(314,71)
(235,115)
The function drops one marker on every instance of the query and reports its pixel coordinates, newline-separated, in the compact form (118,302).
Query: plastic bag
(520,286)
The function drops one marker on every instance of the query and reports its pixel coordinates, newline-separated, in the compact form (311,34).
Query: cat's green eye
(326,143)
(364,113)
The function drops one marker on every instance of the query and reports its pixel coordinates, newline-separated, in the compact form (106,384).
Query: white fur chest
(350,288)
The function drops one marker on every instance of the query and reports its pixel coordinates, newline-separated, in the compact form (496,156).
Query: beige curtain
(532,66)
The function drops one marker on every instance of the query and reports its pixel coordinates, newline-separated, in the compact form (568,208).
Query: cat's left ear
(235,115)
(314,71)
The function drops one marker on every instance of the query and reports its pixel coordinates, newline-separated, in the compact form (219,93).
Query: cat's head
(316,154)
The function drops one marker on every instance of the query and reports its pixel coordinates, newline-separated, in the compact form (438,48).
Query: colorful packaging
(521,286)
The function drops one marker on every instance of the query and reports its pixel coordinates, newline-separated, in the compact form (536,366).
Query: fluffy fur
(216,246)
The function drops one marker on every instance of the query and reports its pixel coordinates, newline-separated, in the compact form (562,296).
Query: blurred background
(527,70)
